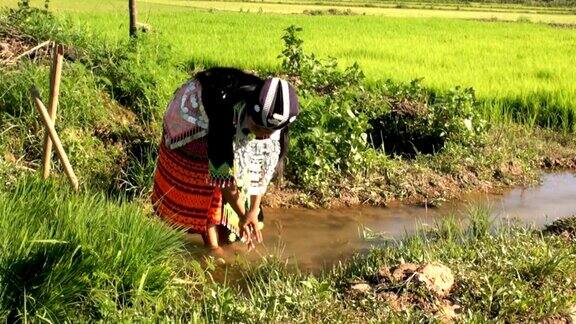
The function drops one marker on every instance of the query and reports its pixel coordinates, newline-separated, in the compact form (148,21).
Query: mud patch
(565,227)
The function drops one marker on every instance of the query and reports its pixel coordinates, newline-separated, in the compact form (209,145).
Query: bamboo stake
(55,74)
(54,137)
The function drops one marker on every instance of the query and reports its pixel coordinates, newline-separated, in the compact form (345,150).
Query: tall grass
(64,255)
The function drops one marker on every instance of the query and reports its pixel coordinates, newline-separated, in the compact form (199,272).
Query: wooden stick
(54,137)
(35,48)
(133,16)
(55,74)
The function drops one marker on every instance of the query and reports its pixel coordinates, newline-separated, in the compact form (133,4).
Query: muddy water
(315,239)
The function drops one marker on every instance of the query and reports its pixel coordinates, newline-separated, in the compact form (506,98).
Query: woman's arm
(233,196)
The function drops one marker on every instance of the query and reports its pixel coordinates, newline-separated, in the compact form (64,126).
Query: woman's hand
(250,229)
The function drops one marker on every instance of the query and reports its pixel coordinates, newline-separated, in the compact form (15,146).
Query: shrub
(422,121)
(343,121)
(322,77)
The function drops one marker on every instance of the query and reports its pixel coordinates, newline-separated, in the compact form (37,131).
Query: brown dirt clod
(447,312)
(436,277)
(403,271)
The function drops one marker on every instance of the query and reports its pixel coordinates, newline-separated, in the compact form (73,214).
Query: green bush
(420,120)
(343,120)
(329,143)
(321,77)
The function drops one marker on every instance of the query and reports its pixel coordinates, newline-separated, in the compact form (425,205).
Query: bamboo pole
(54,137)
(133,13)
(55,74)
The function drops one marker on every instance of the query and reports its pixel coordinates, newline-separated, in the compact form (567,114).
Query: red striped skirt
(182,195)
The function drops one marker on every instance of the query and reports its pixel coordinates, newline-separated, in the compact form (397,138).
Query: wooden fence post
(133,14)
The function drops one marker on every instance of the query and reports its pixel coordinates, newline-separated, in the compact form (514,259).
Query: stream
(315,239)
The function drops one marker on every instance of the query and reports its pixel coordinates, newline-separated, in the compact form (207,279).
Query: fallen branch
(33,49)
(54,137)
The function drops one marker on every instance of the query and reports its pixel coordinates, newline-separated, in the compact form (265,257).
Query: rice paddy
(504,62)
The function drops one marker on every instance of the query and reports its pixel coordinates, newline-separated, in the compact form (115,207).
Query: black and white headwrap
(277,106)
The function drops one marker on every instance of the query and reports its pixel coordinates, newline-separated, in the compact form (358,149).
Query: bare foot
(216,252)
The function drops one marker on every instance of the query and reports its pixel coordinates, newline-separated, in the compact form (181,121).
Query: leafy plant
(316,75)
(343,120)
(422,121)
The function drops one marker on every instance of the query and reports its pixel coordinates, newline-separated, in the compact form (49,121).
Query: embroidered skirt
(182,195)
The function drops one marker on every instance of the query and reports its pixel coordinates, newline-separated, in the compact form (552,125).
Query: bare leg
(211,242)
(211,237)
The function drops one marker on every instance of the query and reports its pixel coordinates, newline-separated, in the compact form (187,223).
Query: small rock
(361,287)
(403,271)
(437,277)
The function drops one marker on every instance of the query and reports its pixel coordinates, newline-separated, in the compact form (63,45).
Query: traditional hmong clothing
(181,193)
(204,148)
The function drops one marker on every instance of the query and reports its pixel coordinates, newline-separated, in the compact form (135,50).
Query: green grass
(86,256)
(64,255)
(495,278)
(113,144)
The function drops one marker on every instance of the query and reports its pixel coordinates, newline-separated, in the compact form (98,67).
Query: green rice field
(520,64)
